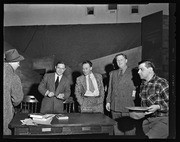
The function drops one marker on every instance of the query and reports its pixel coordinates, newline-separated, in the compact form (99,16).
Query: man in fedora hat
(13,93)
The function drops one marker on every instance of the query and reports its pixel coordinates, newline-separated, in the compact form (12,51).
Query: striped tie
(91,86)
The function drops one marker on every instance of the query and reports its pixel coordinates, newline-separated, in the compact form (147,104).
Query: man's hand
(108,106)
(153,108)
(134,93)
(51,94)
(60,96)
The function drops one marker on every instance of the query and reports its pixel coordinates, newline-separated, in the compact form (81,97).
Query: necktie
(120,72)
(57,82)
(91,86)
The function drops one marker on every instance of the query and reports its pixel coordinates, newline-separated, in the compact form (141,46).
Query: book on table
(62,117)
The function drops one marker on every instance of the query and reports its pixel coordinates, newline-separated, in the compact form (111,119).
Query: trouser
(125,124)
(156,127)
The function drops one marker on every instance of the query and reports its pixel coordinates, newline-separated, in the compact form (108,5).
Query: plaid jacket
(155,92)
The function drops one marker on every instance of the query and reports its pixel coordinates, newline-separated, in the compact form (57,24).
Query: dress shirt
(60,76)
(47,92)
(96,91)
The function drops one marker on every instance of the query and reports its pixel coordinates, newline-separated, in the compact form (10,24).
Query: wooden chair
(69,105)
(29,104)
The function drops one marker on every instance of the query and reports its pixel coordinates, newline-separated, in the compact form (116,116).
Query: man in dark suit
(89,90)
(120,94)
(56,88)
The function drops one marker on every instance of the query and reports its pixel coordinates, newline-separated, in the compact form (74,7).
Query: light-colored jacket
(12,96)
(95,103)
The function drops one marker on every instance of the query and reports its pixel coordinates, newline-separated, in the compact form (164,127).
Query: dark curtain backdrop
(73,43)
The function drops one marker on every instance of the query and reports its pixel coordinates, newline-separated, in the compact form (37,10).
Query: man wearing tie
(56,88)
(89,90)
(120,95)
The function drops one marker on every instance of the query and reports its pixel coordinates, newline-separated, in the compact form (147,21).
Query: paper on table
(43,121)
(28,121)
(62,117)
(41,116)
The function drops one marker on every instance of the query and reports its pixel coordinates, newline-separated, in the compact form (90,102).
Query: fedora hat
(12,55)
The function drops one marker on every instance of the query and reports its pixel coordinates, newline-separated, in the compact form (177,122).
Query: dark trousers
(125,124)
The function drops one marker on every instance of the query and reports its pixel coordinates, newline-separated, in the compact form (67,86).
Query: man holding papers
(56,88)
(89,90)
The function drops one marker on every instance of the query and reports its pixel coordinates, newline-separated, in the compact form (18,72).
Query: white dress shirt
(47,92)
(96,91)
(57,76)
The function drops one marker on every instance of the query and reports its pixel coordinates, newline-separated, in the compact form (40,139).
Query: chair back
(29,104)
(69,105)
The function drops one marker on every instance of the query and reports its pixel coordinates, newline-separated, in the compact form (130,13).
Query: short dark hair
(122,54)
(148,64)
(60,62)
(87,62)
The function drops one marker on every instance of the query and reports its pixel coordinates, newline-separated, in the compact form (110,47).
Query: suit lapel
(84,82)
(52,80)
(97,80)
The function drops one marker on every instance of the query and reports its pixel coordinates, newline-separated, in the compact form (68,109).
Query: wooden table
(78,123)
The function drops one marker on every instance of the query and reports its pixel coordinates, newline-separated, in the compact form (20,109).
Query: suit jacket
(12,96)
(120,90)
(53,104)
(94,103)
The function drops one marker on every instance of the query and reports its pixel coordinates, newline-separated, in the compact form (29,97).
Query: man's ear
(91,68)
(151,69)
(126,60)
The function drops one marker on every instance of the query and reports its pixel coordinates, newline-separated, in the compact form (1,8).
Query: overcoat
(12,96)
(120,90)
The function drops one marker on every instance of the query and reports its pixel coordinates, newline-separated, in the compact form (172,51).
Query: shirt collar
(123,70)
(56,75)
(151,80)
(11,67)
(91,74)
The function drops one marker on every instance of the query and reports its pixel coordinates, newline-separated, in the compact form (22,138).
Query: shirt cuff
(47,92)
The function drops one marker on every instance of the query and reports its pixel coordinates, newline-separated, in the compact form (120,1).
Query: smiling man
(119,95)
(56,88)
(89,90)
